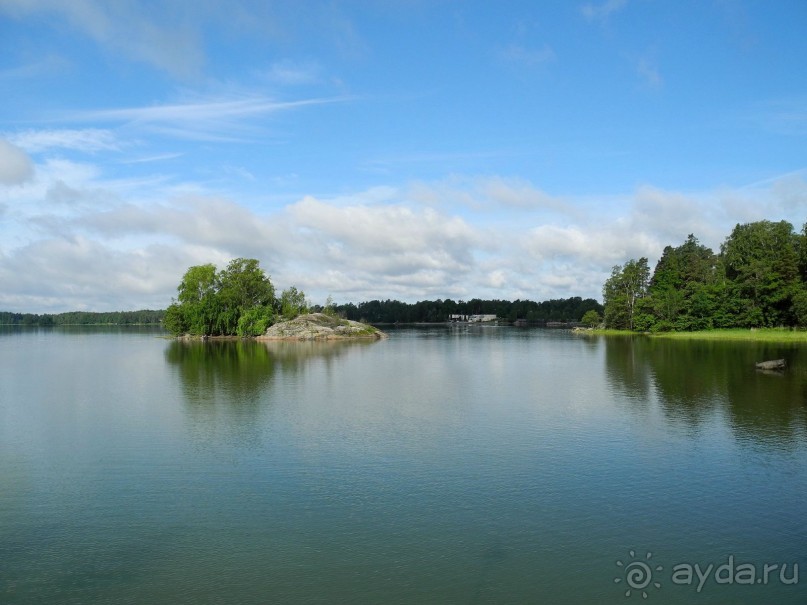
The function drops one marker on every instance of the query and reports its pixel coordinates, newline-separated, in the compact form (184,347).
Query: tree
(330,307)
(292,303)
(241,286)
(254,321)
(591,318)
(627,285)
(762,260)
(212,303)
(680,275)
(197,300)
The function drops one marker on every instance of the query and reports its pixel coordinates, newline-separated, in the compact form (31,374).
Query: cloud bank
(77,240)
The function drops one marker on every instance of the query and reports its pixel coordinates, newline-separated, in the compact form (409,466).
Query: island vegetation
(237,300)
(758,280)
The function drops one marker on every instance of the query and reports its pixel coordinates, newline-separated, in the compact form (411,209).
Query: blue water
(443,465)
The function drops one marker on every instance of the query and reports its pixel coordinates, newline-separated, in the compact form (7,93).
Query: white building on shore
(472,318)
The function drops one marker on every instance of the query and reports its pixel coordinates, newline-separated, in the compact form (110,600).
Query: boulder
(773,364)
(320,326)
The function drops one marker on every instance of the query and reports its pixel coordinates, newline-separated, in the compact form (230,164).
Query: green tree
(330,307)
(591,318)
(292,302)
(211,303)
(622,291)
(197,299)
(679,277)
(174,320)
(762,259)
(254,321)
(242,286)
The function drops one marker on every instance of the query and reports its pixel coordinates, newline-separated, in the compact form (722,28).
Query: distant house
(472,318)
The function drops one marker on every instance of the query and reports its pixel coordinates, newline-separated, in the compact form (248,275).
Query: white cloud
(89,140)
(159,34)
(491,194)
(15,165)
(73,239)
(602,11)
(291,73)
(78,273)
(213,120)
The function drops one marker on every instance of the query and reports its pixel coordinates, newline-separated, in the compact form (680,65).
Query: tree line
(394,311)
(83,318)
(757,279)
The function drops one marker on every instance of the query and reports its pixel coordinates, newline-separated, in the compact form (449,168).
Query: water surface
(444,465)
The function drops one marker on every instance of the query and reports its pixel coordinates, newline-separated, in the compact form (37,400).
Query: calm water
(445,465)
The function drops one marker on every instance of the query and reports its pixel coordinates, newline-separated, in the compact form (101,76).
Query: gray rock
(319,326)
(773,364)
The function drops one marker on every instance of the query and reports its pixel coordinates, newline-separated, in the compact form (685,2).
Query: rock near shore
(319,326)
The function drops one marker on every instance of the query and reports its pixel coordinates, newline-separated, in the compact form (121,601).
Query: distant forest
(392,311)
(374,311)
(83,318)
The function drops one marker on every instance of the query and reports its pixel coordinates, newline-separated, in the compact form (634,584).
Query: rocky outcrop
(773,364)
(319,326)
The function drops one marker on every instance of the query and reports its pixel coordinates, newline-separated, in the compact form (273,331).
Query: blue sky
(386,149)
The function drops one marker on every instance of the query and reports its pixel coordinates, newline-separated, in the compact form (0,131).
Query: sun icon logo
(638,574)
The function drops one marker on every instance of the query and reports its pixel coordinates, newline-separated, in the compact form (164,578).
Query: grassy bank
(754,335)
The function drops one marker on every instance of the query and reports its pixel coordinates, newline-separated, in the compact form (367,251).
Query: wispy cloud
(51,64)
(529,57)
(291,73)
(601,12)
(89,140)
(158,35)
(782,116)
(197,112)
(649,73)
(210,120)
(153,158)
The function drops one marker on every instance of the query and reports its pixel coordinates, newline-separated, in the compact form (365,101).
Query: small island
(240,301)
(321,326)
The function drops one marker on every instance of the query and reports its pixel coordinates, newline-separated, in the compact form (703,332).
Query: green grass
(755,335)
(609,332)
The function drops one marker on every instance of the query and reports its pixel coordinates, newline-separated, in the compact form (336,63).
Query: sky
(375,149)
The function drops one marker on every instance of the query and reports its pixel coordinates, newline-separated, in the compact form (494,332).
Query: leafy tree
(762,260)
(241,286)
(213,303)
(800,306)
(680,275)
(623,290)
(330,307)
(196,295)
(174,320)
(591,318)
(292,302)
(254,321)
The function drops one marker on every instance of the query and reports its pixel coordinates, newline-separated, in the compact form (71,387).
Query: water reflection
(695,382)
(232,383)
(236,372)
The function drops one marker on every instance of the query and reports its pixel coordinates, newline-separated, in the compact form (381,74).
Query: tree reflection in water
(696,382)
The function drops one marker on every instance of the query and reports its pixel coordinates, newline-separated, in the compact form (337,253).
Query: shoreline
(780,335)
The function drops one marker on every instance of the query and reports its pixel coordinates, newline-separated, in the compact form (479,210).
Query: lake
(446,464)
